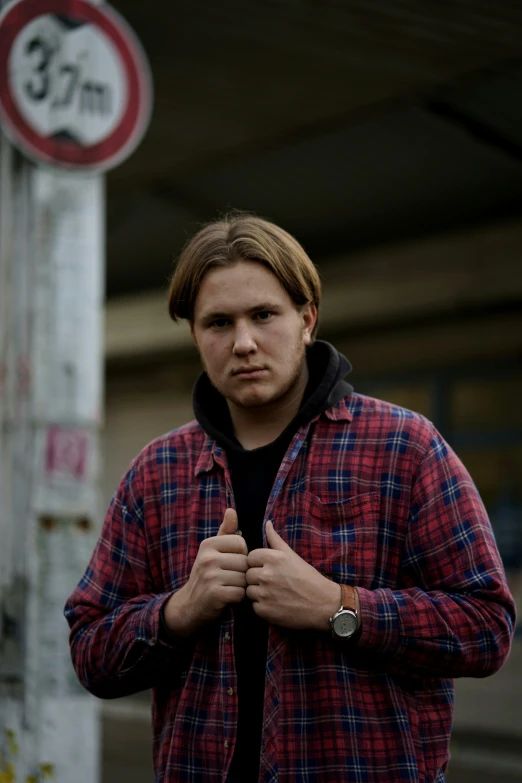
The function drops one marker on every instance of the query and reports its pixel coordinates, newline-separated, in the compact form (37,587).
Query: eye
(263,315)
(219,323)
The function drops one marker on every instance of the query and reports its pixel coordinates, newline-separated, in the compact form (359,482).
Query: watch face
(345,624)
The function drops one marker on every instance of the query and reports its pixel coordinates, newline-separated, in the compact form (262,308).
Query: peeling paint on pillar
(49,471)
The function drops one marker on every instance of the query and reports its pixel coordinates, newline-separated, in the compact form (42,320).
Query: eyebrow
(257,308)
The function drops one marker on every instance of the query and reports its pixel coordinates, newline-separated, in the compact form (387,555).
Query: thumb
(229,524)
(274,539)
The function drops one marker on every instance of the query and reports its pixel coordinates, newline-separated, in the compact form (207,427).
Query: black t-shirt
(253,473)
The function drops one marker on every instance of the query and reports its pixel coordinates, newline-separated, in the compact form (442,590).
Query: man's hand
(217,579)
(288,591)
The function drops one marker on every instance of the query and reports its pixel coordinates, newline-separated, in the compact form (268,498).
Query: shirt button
(230,691)
(227,637)
(225,744)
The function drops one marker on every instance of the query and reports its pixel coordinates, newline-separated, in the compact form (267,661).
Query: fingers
(233,562)
(234,579)
(229,524)
(253,576)
(219,566)
(226,543)
(258,557)
(274,540)
(232,595)
(227,539)
(254,593)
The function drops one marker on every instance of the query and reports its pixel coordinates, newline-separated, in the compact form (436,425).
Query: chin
(251,400)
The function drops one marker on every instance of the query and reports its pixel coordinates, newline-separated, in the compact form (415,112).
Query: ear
(309,314)
(192,333)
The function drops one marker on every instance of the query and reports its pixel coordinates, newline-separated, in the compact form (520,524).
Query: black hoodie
(253,474)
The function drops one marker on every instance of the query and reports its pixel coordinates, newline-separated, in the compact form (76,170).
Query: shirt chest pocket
(339,539)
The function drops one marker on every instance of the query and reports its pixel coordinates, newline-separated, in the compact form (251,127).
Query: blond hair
(242,237)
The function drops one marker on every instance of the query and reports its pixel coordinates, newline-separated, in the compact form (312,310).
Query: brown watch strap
(348,598)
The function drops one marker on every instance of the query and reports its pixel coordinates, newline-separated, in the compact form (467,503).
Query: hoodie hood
(326,386)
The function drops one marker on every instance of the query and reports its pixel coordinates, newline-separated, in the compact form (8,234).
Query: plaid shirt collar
(212,453)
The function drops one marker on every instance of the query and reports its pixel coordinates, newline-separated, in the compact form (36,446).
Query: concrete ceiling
(350,123)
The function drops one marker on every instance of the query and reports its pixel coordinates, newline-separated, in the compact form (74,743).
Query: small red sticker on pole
(66,454)
(75,85)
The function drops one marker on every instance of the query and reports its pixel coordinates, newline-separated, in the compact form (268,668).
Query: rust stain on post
(48,523)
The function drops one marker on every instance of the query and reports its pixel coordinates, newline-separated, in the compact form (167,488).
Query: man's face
(250,335)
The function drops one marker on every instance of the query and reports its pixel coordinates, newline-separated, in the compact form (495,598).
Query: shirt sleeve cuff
(380,623)
(153,629)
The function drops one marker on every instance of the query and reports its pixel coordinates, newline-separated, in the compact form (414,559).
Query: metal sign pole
(52,274)
(51,297)
(75,91)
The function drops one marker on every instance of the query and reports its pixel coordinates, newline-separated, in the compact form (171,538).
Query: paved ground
(487,738)
(126,750)
(486,746)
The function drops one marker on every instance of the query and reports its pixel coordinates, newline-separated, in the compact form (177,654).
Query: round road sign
(75,86)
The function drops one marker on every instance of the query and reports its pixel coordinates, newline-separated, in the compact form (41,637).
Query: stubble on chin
(263,397)
(260,396)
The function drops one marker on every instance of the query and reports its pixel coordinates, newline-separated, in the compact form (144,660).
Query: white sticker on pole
(75,86)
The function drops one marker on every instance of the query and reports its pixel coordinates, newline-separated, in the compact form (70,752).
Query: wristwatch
(345,622)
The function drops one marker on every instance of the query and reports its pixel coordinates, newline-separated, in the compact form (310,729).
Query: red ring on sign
(135,117)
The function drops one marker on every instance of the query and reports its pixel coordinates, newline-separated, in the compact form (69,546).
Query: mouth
(250,373)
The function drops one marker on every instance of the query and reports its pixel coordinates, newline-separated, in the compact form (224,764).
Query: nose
(244,342)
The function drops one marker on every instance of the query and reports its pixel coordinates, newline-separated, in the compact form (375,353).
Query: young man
(299,573)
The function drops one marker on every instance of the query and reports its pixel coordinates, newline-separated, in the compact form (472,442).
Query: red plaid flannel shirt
(372,496)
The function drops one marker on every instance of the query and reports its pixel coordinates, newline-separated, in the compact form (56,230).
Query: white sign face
(67,80)
(75,87)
